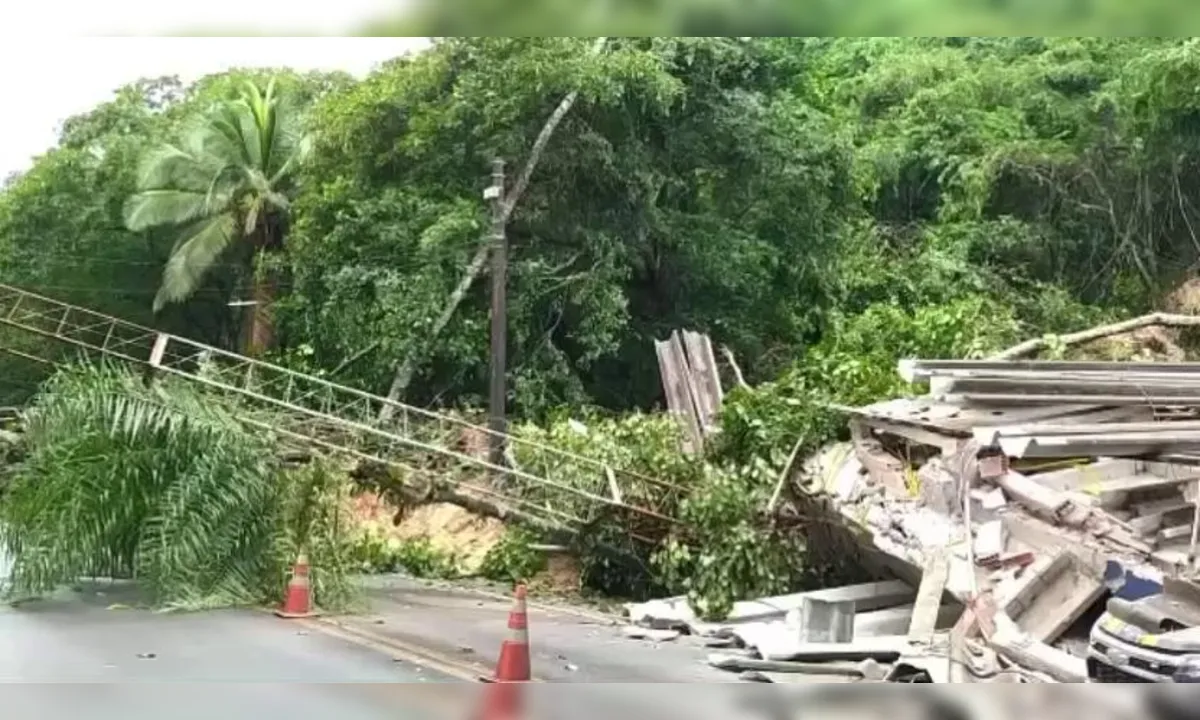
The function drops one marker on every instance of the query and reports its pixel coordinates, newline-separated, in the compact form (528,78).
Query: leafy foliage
(372,552)
(733,553)
(163,484)
(513,559)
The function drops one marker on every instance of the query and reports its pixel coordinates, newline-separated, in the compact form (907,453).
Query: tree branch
(475,268)
(1153,319)
(737,371)
(543,139)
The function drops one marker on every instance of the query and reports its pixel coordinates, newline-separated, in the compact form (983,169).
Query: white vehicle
(1152,640)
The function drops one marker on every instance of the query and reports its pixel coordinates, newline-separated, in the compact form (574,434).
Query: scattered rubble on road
(1010,500)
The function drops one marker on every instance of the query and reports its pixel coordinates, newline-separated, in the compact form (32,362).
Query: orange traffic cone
(297,603)
(501,700)
(513,665)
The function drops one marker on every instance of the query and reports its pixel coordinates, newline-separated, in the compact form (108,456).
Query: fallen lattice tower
(351,422)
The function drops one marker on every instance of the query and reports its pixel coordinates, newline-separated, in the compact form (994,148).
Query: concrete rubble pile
(1007,502)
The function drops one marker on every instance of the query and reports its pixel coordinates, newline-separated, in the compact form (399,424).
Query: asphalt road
(97,658)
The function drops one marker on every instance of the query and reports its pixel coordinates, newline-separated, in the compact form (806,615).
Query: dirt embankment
(459,533)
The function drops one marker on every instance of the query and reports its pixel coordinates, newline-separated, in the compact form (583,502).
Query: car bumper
(1110,659)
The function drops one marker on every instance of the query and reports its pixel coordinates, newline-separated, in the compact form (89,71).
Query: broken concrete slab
(1011,642)
(737,664)
(936,667)
(939,488)
(635,632)
(1147,525)
(987,504)
(824,621)
(1041,501)
(898,621)
(1085,475)
(1013,598)
(1171,470)
(1059,603)
(882,649)
(667,613)
(1161,507)
(1175,532)
(782,639)
(1115,492)
(784,678)
(990,541)
(929,596)
(677,613)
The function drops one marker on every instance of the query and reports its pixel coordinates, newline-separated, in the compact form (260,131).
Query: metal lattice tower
(421,445)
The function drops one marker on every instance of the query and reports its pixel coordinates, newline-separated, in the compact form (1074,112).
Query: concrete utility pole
(497,404)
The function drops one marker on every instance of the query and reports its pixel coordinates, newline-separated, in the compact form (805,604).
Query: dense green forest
(820,206)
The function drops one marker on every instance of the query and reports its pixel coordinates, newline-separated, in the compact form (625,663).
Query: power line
(88,289)
(82,260)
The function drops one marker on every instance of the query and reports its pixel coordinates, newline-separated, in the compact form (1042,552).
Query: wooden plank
(710,360)
(156,352)
(678,400)
(666,371)
(688,393)
(702,369)
(614,488)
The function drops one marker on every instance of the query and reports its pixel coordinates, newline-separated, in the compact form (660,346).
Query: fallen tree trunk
(404,372)
(1152,320)
(377,476)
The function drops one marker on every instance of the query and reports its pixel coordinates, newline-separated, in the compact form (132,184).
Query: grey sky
(48,79)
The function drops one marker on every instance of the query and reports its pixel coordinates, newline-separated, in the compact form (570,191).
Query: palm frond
(219,182)
(184,166)
(157,208)
(195,253)
(167,485)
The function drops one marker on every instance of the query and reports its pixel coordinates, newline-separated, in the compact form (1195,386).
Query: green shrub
(372,551)
(513,559)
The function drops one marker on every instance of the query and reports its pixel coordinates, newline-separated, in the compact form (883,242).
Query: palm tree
(221,191)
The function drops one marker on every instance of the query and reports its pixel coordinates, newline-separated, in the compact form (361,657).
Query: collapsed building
(1010,504)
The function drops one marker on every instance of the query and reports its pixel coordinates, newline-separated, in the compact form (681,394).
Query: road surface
(565,647)
(133,664)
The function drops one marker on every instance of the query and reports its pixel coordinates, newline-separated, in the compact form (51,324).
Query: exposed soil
(561,576)
(449,528)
